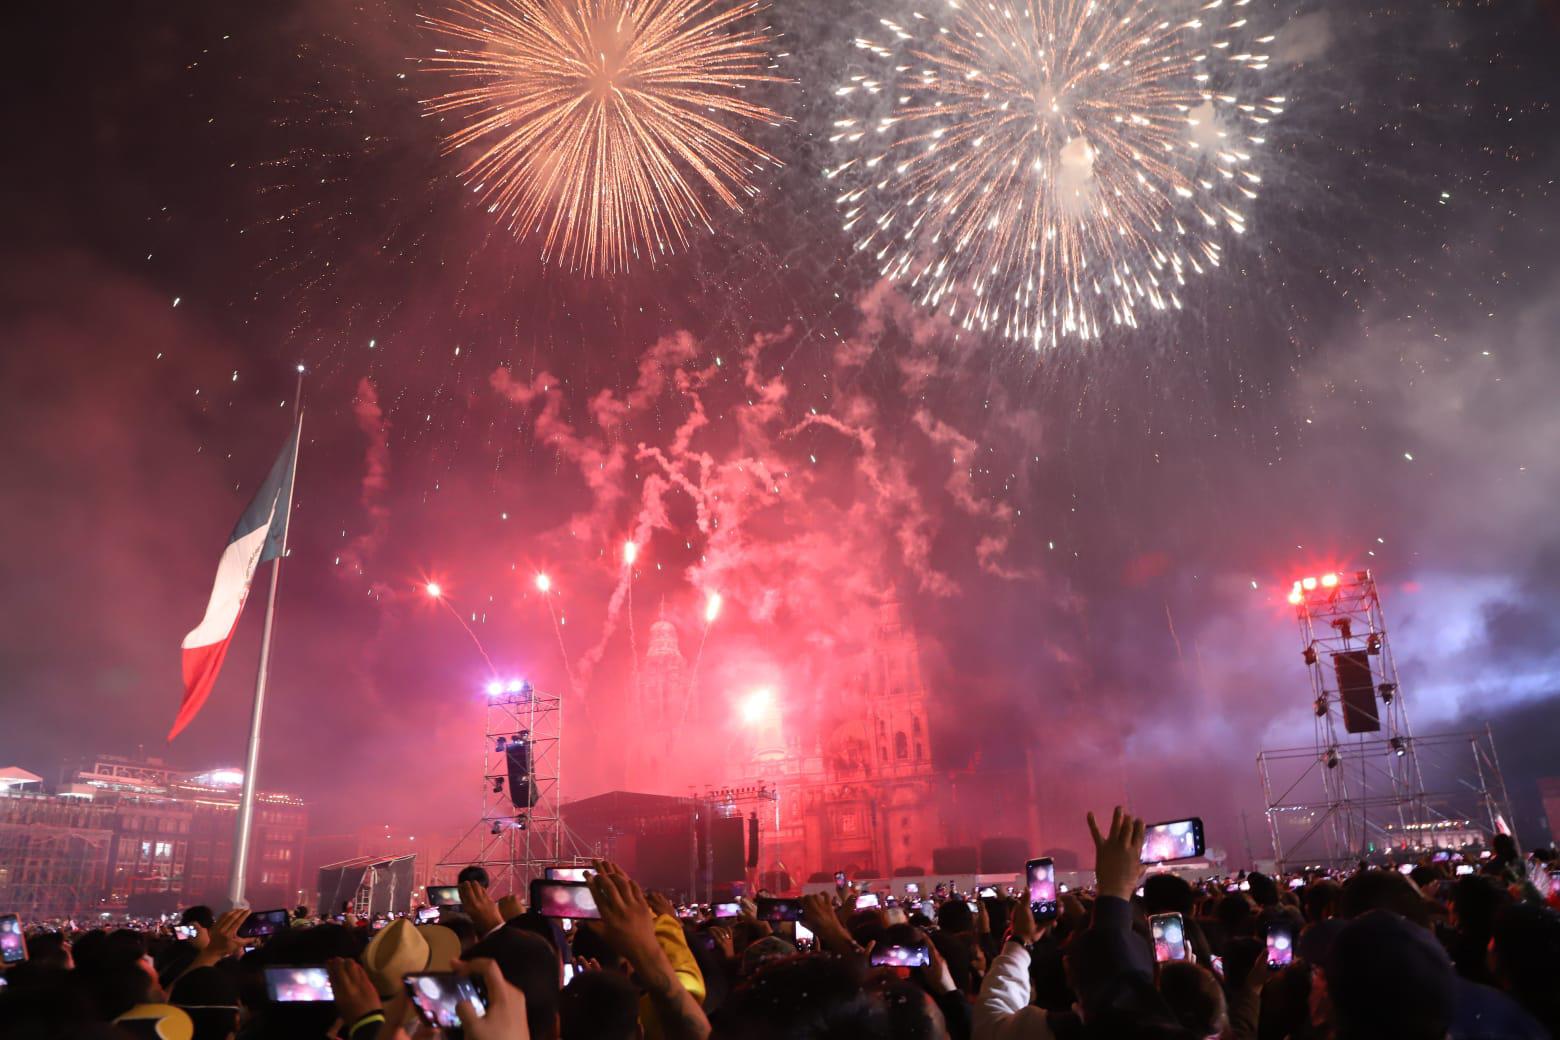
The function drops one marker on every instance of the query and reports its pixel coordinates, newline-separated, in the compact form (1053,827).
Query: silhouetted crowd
(1466,951)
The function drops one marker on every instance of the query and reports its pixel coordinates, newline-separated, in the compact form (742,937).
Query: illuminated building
(139,836)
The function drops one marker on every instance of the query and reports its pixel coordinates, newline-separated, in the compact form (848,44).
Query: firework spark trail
(434,591)
(604,122)
(1047,164)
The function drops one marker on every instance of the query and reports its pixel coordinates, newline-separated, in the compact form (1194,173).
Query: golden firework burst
(605,126)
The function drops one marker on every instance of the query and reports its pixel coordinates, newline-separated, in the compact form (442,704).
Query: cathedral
(851,771)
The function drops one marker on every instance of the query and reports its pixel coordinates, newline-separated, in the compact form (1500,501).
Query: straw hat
(400,949)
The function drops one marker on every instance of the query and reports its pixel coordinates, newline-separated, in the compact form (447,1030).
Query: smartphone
(299,985)
(377,925)
(779,909)
(804,934)
(567,873)
(13,944)
(1440,857)
(570,899)
(1042,888)
(1280,946)
(1169,933)
(1406,869)
(443,895)
(726,910)
(184,931)
(1464,869)
(428,915)
(259,925)
(867,901)
(1173,840)
(917,956)
(912,888)
(974,906)
(436,994)
(839,879)
(568,973)
(1298,882)
(989,892)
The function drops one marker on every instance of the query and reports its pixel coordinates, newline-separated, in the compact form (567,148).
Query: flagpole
(246,803)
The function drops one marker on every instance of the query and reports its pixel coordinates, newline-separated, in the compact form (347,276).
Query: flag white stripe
(234,572)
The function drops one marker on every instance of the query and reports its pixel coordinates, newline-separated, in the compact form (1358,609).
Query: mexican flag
(259,536)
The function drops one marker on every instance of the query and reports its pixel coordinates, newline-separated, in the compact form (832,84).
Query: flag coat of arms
(258,536)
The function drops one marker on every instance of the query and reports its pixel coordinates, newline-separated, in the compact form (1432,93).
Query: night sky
(1095,541)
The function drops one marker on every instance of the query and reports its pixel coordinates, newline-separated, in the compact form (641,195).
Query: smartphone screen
(428,915)
(804,934)
(568,973)
(567,873)
(988,892)
(266,922)
(912,889)
(1280,946)
(13,944)
(723,910)
(866,901)
(1298,882)
(571,899)
(1042,888)
(308,985)
(1173,840)
(839,879)
(184,931)
(779,909)
(443,895)
(1406,869)
(1169,933)
(917,956)
(1464,869)
(436,994)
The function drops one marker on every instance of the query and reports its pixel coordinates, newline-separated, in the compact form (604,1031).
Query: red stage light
(1329,581)
(1308,584)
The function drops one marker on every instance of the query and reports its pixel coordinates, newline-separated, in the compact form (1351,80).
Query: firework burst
(1035,168)
(605,125)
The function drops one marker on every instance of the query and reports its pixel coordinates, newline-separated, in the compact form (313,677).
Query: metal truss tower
(515,841)
(1360,790)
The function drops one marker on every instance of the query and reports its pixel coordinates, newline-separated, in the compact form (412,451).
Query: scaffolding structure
(1360,791)
(512,840)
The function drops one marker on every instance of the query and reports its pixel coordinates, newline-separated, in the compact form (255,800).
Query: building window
(901,746)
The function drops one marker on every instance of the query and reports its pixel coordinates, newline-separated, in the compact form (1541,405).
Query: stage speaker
(726,846)
(752,860)
(522,792)
(958,859)
(1356,691)
(663,860)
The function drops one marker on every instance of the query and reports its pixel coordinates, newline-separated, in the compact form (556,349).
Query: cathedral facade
(856,789)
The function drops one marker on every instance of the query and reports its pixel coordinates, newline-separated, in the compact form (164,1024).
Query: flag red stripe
(201,665)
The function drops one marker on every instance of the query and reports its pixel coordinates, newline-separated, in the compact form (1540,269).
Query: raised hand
(626,921)
(223,940)
(1023,926)
(818,914)
(354,990)
(1117,855)
(479,906)
(660,905)
(505,1016)
(510,907)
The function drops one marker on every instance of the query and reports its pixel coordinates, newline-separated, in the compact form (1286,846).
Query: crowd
(1376,953)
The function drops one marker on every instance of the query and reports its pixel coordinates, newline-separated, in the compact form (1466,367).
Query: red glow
(1329,581)
(433,589)
(543,583)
